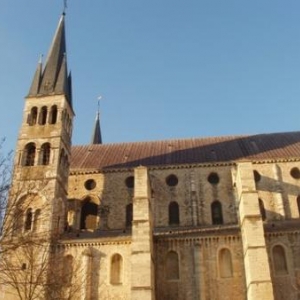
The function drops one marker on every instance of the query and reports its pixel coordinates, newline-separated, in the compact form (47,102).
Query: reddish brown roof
(187,151)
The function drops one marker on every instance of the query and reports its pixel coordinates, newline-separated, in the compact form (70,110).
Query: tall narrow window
(28,219)
(116,269)
(225,263)
(29,154)
(174,213)
(32,118)
(66,161)
(298,205)
(43,115)
(36,222)
(68,270)
(262,209)
(279,260)
(172,266)
(53,115)
(216,212)
(45,154)
(89,215)
(18,222)
(129,214)
(62,157)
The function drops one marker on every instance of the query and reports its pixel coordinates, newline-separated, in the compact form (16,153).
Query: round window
(213,178)
(90,184)
(172,180)
(295,173)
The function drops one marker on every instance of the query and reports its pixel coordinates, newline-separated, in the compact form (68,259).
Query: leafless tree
(39,270)
(32,264)
(5,177)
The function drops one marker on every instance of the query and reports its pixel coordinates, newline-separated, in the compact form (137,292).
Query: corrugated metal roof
(187,151)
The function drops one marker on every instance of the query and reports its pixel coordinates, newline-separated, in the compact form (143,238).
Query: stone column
(257,269)
(142,271)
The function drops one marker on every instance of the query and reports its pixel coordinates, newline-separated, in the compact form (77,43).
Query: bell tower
(44,143)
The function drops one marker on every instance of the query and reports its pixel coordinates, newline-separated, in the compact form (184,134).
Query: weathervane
(99,98)
(65,6)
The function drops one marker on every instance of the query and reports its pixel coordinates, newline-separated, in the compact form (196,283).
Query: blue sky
(165,68)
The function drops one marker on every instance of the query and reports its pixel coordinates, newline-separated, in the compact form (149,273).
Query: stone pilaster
(258,279)
(142,271)
(197,270)
(85,287)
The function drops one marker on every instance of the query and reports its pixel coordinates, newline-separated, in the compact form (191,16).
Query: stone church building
(203,218)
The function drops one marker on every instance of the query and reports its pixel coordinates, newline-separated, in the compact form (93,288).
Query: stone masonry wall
(199,269)
(276,187)
(99,285)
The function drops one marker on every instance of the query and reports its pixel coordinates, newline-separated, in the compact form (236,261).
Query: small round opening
(295,173)
(172,180)
(90,184)
(213,178)
(129,181)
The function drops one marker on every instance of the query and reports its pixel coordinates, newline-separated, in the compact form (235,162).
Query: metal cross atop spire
(65,6)
(99,98)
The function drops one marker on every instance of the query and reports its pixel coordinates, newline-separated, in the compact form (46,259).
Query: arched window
(89,215)
(262,209)
(28,219)
(116,269)
(279,260)
(66,121)
(225,263)
(298,205)
(37,216)
(174,213)
(216,212)
(18,221)
(68,262)
(172,266)
(53,115)
(32,117)
(69,128)
(62,157)
(45,154)
(66,161)
(29,154)
(129,214)
(43,115)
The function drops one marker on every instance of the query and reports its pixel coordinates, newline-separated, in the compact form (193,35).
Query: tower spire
(96,137)
(53,79)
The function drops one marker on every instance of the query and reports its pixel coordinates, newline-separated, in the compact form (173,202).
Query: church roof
(187,151)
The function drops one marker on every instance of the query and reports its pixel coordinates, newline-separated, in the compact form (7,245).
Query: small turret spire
(97,138)
(35,85)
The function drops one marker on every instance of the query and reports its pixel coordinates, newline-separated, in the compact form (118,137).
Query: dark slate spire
(61,86)
(96,138)
(54,80)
